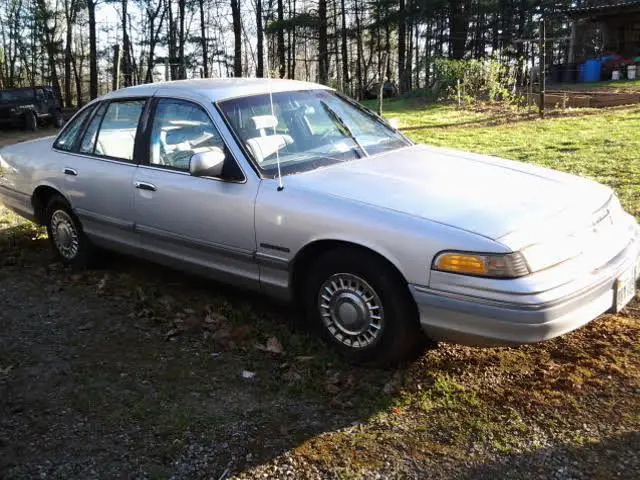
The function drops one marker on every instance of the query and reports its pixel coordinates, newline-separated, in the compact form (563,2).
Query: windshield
(307,130)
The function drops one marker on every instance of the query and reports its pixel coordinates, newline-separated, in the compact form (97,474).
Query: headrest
(264,121)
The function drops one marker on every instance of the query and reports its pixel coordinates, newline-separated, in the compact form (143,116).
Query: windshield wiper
(342,126)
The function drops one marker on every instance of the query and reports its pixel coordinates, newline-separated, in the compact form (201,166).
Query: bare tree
(203,40)
(237,38)
(323,46)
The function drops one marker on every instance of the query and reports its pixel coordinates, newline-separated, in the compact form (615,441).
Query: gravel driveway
(136,371)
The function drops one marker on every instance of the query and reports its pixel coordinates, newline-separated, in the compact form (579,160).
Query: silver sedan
(294,190)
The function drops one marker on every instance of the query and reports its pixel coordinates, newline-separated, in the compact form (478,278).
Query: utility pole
(543,65)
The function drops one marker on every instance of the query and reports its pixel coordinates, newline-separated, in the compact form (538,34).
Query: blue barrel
(592,70)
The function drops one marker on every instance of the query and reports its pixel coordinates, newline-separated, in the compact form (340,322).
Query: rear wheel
(363,308)
(67,238)
(30,122)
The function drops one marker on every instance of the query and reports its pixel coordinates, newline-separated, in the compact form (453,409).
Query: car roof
(218,88)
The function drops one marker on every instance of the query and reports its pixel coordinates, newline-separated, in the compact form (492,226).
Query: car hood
(485,195)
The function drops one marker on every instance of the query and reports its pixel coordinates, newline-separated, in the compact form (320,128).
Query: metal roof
(217,88)
(604,9)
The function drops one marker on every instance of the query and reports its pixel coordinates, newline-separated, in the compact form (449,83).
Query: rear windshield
(16,95)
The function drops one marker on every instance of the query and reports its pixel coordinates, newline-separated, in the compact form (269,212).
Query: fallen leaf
(171,333)
(215,318)
(246,374)
(102,283)
(272,345)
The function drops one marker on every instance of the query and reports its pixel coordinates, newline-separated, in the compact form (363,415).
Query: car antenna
(280,184)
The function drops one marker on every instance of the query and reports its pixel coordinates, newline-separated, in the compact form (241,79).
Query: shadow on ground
(136,369)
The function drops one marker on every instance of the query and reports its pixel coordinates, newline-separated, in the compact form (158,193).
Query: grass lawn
(620,86)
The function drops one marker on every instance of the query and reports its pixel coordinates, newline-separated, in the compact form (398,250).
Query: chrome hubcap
(64,233)
(351,310)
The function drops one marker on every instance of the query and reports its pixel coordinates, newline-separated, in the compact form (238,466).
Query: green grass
(417,112)
(620,86)
(603,145)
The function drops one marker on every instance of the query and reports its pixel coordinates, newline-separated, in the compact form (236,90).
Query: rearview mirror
(207,164)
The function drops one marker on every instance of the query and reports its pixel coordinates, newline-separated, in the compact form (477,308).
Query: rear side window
(117,135)
(67,139)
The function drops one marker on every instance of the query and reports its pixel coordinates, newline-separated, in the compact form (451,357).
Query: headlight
(507,265)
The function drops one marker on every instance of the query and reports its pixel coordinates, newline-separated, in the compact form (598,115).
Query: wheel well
(40,200)
(310,253)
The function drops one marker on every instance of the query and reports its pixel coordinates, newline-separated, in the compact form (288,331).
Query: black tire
(65,230)
(399,338)
(30,122)
(58,119)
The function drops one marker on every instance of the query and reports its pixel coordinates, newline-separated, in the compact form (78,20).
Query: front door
(203,221)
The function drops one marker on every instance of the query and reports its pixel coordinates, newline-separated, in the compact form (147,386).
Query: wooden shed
(613,27)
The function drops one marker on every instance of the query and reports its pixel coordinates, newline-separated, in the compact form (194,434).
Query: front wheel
(67,238)
(363,308)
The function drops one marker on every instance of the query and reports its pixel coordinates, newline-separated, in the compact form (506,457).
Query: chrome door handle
(70,171)
(146,186)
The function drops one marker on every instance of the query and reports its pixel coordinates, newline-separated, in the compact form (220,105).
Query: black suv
(29,106)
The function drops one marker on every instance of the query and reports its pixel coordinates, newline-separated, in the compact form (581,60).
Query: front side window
(306,130)
(67,138)
(181,129)
(117,135)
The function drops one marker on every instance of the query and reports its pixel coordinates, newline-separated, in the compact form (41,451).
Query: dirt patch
(9,136)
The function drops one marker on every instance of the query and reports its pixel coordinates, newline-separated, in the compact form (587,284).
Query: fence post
(543,66)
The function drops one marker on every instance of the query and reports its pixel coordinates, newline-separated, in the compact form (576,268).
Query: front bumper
(471,320)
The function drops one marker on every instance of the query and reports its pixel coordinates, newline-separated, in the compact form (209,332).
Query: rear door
(99,170)
(207,222)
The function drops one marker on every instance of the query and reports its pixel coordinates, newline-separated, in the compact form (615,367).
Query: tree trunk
(69,17)
(260,35)
(203,41)
(323,47)
(344,50)
(126,48)
(459,13)
(182,4)
(280,38)
(402,46)
(172,47)
(93,50)
(293,41)
(359,54)
(387,50)
(237,38)
(408,73)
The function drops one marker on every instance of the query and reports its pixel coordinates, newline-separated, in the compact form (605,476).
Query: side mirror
(207,164)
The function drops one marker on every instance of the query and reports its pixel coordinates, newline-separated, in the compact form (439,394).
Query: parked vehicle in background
(30,106)
(295,190)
